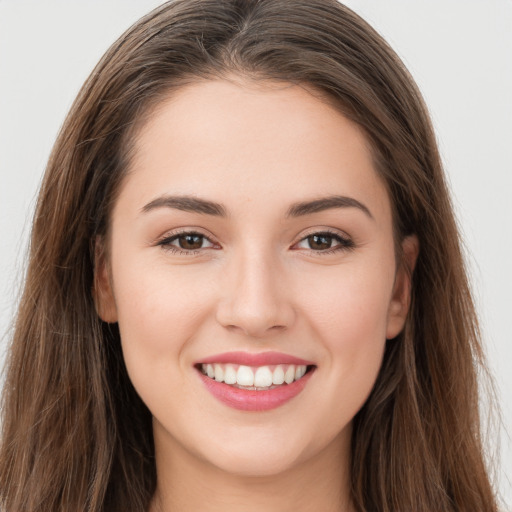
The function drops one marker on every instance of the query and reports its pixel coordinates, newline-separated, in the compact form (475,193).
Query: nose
(255,299)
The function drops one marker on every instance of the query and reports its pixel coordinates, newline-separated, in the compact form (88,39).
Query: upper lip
(255,359)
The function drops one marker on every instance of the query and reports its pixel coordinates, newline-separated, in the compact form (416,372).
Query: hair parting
(75,434)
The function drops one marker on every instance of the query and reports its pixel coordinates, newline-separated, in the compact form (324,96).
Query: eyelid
(322,230)
(346,242)
(189,230)
(186,230)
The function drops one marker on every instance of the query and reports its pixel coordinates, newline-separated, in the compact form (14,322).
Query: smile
(254,378)
(254,382)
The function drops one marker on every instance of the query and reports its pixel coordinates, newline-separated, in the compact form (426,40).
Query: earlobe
(102,288)
(401,298)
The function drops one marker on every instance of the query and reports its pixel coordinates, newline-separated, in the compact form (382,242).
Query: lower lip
(250,400)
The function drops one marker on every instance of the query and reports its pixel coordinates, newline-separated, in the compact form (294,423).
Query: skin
(256,284)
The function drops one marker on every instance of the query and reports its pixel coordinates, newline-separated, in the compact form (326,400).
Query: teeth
(263,377)
(278,376)
(260,377)
(244,376)
(219,373)
(229,375)
(299,372)
(289,376)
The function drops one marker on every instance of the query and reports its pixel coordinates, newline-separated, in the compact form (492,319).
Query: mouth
(254,382)
(255,378)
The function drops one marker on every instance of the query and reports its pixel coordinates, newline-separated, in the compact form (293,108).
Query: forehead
(240,142)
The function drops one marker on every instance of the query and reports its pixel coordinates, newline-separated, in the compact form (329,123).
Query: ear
(102,288)
(401,298)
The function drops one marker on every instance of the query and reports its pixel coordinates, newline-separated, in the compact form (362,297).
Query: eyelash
(344,243)
(165,243)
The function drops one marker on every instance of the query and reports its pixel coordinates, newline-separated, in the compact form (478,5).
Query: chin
(256,453)
(257,463)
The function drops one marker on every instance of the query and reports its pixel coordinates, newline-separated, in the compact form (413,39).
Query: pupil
(320,242)
(191,241)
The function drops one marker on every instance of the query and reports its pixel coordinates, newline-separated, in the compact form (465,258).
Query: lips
(259,377)
(254,382)
(260,359)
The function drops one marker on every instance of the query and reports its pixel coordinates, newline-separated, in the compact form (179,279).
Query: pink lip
(249,400)
(248,359)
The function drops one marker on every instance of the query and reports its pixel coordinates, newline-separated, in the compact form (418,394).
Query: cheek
(350,320)
(351,301)
(159,310)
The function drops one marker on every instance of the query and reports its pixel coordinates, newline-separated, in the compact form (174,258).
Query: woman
(245,286)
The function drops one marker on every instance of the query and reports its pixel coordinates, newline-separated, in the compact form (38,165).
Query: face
(252,241)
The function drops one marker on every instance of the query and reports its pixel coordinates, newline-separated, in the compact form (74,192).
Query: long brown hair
(75,434)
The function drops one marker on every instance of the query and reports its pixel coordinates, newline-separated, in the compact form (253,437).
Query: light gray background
(459,51)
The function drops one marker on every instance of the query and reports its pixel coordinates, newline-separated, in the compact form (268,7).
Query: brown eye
(190,242)
(186,242)
(319,242)
(325,243)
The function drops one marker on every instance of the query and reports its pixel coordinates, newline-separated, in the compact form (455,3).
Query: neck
(186,482)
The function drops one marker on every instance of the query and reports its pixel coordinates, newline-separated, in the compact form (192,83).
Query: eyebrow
(203,206)
(326,203)
(187,204)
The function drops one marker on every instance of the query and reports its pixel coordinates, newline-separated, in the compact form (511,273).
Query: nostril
(255,309)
